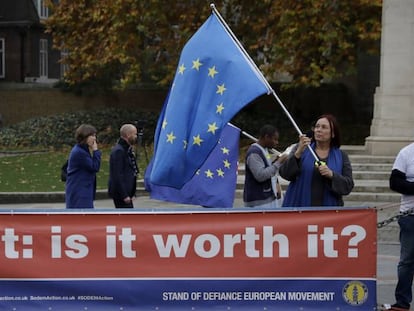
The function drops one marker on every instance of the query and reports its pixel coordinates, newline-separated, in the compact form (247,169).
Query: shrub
(58,131)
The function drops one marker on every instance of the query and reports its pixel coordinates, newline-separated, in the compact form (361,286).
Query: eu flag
(214,183)
(213,81)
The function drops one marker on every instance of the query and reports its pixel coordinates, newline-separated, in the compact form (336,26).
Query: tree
(316,41)
(118,43)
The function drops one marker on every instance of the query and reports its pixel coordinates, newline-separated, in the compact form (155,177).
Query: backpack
(64,171)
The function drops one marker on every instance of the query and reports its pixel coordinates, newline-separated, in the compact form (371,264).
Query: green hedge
(58,131)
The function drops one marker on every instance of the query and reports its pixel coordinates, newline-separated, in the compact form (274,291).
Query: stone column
(392,125)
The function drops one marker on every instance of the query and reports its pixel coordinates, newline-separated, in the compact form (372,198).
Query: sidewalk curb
(50,197)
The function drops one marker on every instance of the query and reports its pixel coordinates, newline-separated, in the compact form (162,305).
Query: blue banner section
(188,294)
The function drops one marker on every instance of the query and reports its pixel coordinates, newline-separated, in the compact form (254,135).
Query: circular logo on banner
(355,293)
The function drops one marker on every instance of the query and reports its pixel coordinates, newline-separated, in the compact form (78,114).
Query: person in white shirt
(402,181)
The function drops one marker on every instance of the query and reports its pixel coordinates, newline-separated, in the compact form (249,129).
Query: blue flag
(214,80)
(214,184)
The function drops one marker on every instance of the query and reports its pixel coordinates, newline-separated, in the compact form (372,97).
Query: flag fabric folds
(214,184)
(213,81)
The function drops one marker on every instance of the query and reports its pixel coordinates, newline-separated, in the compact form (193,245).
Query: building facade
(26,52)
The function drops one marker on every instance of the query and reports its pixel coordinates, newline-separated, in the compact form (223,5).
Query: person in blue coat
(83,164)
(123,169)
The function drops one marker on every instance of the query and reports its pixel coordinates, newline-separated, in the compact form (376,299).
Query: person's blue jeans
(403,291)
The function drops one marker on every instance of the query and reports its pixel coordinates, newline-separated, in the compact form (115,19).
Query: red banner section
(212,244)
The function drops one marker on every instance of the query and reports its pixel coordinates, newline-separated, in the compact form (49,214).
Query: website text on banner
(318,259)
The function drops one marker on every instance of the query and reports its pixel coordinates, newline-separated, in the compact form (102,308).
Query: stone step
(371,175)
(371,186)
(375,167)
(360,158)
(373,197)
(354,149)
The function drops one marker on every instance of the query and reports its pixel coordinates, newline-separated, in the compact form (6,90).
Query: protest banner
(242,259)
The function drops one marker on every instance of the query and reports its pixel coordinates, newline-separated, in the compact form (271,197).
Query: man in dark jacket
(123,168)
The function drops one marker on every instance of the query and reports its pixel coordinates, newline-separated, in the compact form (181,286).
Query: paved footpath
(387,252)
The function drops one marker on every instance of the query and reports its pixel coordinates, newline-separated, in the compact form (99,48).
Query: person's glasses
(322,127)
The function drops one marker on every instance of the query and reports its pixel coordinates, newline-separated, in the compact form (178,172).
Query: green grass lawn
(40,172)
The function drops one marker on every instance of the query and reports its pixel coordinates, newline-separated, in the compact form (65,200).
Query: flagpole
(260,75)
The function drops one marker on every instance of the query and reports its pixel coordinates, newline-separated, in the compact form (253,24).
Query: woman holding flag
(322,182)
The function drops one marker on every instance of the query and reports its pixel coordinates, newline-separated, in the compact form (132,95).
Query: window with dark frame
(42,8)
(43,62)
(64,67)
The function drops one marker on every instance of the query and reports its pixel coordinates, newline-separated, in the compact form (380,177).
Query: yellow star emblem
(212,128)
(181,69)
(209,174)
(170,137)
(164,124)
(212,71)
(197,64)
(220,89)
(185,144)
(226,163)
(225,150)
(197,140)
(220,108)
(220,172)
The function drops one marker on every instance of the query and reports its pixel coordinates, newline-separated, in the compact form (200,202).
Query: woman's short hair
(83,132)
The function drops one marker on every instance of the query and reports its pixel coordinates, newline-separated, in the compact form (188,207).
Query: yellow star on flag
(220,89)
(225,150)
(212,71)
(181,69)
(212,128)
(220,172)
(220,108)
(197,64)
(197,140)
(209,174)
(170,137)
(226,163)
